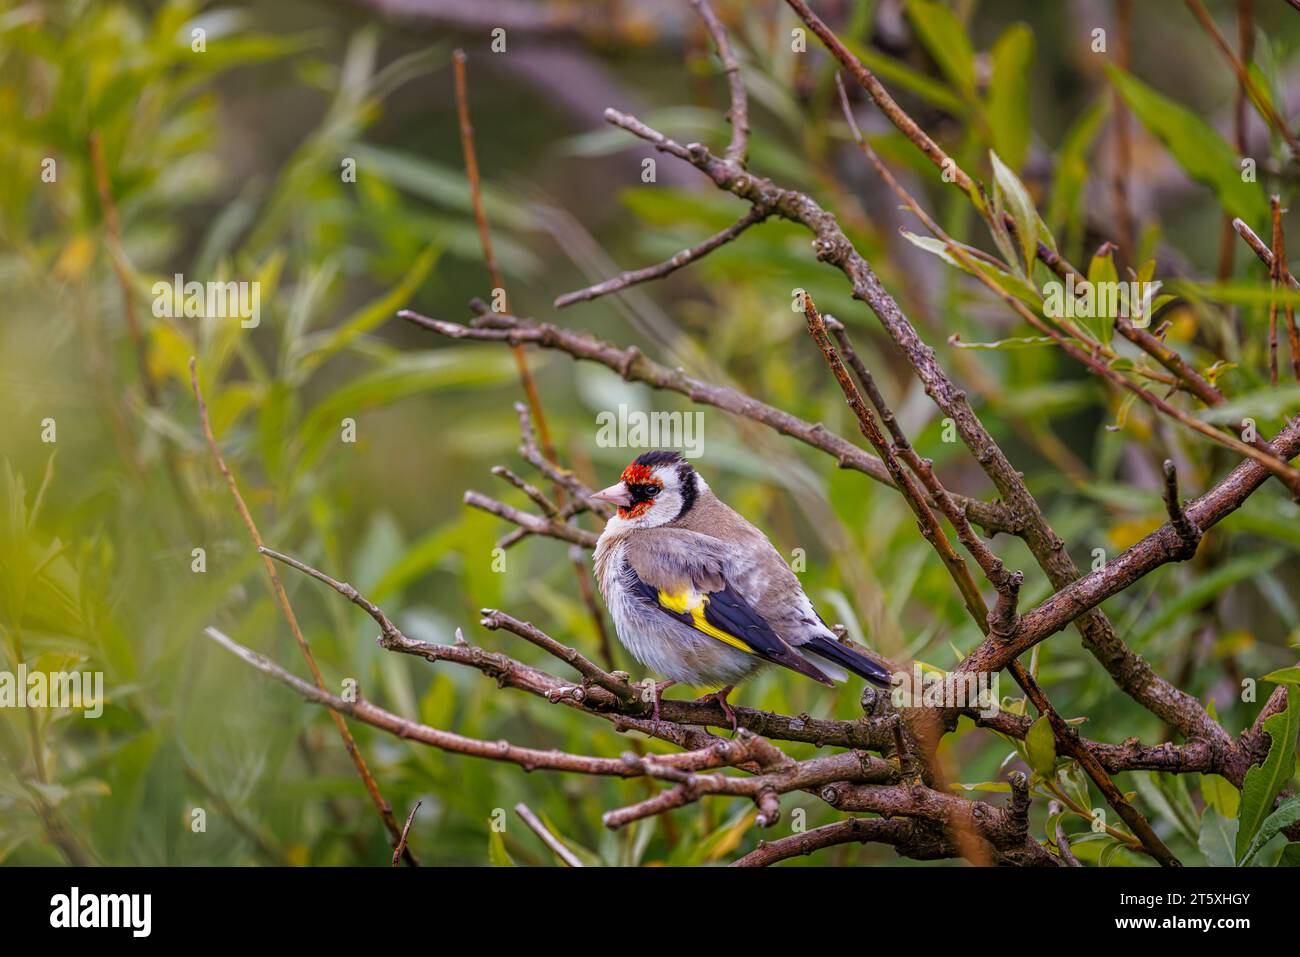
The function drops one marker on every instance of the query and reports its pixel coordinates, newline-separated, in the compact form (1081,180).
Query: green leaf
(1017,342)
(896,73)
(1021,206)
(1164,804)
(1264,781)
(1040,744)
(1219,794)
(1284,676)
(371,315)
(1198,148)
(1242,568)
(1008,282)
(1287,813)
(498,856)
(1064,209)
(1008,96)
(441,184)
(1216,838)
(1290,856)
(408,374)
(944,38)
(1265,403)
(1101,269)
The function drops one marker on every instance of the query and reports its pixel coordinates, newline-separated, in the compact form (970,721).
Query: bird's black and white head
(657,488)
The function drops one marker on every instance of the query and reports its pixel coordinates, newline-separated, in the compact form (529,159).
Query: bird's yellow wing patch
(689,603)
(724,614)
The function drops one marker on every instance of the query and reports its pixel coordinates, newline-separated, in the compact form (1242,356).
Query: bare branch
(1260,248)
(1189,536)
(738,114)
(401,845)
(485,233)
(550,840)
(532,491)
(1068,741)
(618,687)
(635,367)
(910,837)
(1261,102)
(686,256)
(1163,545)
(1062,842)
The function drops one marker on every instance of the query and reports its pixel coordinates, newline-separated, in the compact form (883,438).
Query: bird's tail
(846,657)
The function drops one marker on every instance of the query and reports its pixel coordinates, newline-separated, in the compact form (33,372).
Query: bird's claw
(660,688)
(721,698)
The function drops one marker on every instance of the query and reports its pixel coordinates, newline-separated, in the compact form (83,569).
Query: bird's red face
(635,493)
(654,489)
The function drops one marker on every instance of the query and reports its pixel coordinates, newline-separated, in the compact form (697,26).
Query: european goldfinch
(700,595)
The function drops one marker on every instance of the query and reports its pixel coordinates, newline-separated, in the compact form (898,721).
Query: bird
(701,596)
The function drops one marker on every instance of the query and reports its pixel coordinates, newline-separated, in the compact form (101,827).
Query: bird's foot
(660,688)
(721,698)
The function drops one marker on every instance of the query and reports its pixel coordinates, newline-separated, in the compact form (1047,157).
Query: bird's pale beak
(615,495)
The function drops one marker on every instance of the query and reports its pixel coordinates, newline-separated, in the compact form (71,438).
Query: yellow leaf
(169,355)
(1128,533)
(727,841)
(76,257)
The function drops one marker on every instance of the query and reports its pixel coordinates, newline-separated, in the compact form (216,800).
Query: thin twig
(401,845)
(634,276)
(372,787)
(117,254)
(635,367)
(1246,52)
(1062,842)
(485,239)
(1261,102)
(738,112)
(1289,475)
(1275,279)
(1067,740)
(1188,534)
(550,840)
(1261,249)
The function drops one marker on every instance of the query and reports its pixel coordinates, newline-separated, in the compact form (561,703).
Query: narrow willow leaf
(896,73)
(944,38)
(1263,781)
(1065,207)
(1021,342)
(1021,206)
(1008,98)
(498,856)
(1197,147)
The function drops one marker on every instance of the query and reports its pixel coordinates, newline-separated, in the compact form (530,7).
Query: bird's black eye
(643,491)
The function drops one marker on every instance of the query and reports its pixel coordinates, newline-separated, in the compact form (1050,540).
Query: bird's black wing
(722,614)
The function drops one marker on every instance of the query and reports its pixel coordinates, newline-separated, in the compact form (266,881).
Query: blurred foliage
(227,164)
